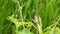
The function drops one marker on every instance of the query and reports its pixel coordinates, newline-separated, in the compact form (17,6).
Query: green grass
(48,11)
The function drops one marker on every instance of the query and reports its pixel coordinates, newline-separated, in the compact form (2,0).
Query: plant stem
(37,16)
(20,10)
(55,24)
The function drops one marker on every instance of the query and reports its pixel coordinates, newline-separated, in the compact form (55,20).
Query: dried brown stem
(55,24)
(20,10)
(37,16)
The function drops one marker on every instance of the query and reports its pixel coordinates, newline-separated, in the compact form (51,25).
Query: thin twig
(55,24)
(37,16)
(20,10)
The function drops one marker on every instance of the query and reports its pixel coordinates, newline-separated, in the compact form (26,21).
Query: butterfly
(35,18)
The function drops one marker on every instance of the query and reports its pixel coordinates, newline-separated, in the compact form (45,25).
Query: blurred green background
(48,10)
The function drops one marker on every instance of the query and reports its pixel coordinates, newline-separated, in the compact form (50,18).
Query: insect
(35,18)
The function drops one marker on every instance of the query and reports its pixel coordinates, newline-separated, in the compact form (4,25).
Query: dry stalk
(37,16)
(55,24)
(20,10)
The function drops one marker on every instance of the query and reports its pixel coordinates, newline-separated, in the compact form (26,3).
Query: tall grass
(48,11)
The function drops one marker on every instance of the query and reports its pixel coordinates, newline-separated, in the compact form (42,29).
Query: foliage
(48,10)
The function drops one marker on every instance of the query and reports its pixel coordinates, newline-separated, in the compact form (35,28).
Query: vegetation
(16,16)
